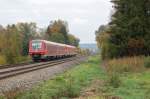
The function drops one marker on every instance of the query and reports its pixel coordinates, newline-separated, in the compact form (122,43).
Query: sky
(83,16)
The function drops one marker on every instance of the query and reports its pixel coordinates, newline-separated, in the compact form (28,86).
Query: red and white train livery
(42,49)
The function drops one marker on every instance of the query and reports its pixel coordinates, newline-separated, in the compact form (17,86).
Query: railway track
(16,65)
(6,72)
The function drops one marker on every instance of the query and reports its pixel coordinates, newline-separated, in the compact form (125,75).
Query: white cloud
(83,16)
(80,21)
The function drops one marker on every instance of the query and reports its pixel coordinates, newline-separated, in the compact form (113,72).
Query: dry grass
(128,64)
(2,60)
(99,97)
(11,92)
(95,91)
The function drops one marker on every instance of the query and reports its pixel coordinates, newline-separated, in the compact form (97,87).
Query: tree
(14,39)
(102,38)
(58,27)
(129,32)
(130,27)
(57,37)
(73,40)
(28,32)
(2,38)
(11,43)
(57,31)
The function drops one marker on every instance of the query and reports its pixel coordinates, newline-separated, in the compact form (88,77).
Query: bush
(72,89)
(147,62)
(67,85)
(20,59)
(128,64)
(2,60)
(114,80)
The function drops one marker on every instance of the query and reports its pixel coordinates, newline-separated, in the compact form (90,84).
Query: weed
(129,64)
(67,85)
(11,93)
(147,62)
(114,80)
(2,60)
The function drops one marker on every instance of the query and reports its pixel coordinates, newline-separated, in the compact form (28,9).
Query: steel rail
(21,70)
(16,65)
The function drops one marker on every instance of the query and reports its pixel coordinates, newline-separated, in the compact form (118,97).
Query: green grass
(133,83)
(133,86)
(69,84)
(127,85)
(147,62)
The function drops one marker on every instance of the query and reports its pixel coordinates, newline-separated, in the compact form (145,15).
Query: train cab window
(36,45)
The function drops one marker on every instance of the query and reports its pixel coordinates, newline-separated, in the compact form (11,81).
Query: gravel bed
(28,80)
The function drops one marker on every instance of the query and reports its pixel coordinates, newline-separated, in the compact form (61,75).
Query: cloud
(80,21)
(83,16)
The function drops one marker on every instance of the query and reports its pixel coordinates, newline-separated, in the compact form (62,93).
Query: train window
(36,45)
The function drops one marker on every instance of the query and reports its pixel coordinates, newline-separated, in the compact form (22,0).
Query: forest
(128,32)
(14,39)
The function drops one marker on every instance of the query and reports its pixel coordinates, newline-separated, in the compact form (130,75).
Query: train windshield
(36,45)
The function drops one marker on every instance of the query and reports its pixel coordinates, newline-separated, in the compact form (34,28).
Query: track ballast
(6,71)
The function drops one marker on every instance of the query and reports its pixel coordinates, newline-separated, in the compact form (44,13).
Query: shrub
(147,62)
(20,59)
(72,89)
(114,80)
(10,57)
(67,85)
(2,60)
(129,64)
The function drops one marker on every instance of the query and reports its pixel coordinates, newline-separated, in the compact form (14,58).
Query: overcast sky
(83,16)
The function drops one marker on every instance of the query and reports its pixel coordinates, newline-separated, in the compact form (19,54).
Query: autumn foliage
(14,39)
(58,31)
(128,32)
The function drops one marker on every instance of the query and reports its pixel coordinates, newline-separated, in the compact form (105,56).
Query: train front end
(37,49)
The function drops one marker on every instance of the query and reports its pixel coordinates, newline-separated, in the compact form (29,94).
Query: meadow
(126,78)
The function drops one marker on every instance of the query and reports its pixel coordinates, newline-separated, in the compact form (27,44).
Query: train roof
(54,43)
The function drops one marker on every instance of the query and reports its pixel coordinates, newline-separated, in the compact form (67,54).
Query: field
(95,80)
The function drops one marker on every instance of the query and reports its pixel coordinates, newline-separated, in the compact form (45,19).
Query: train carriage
(42,49)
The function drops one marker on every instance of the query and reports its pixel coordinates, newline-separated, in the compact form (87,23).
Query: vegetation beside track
(129,78)
(91,80)
(68,84)
(125,39)
(16,60)
(14,39)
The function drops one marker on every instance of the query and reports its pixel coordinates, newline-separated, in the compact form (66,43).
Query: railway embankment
(127,78)
(36,73)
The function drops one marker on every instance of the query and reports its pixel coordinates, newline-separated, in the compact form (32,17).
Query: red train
(42,49)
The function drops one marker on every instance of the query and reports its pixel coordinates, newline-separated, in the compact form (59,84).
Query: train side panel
(42,49)
(54,50)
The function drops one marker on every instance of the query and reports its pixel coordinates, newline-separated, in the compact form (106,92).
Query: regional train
(47,50)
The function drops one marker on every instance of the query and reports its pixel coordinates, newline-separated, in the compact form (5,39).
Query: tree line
(14,39)
(128,32)
(58,31)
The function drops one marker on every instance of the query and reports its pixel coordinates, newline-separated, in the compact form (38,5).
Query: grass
(147,62)
(131,79)
(126,78)
(69,84)
(128,64)
(133,86)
